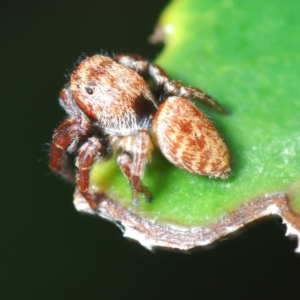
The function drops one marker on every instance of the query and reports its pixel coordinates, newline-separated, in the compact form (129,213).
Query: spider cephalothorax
(111,107)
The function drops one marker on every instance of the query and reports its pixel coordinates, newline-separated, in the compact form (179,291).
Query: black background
(50,251)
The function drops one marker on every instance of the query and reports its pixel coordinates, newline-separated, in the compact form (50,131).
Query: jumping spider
(111,106)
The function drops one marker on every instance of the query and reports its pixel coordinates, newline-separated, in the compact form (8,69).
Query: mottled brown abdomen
(189,140)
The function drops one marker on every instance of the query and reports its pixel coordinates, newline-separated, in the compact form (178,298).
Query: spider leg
(65,140)
(135,62)
(164,85)
(133,163)
(147,70)
(88,153)
(175,88)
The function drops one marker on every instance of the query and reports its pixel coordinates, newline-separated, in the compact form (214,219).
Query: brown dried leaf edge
(155,235)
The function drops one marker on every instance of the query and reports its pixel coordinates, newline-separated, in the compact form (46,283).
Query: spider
(129,105)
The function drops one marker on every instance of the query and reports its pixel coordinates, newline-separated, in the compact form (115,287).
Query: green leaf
(246,55)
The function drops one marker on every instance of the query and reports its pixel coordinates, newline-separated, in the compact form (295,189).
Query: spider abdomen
(189,140)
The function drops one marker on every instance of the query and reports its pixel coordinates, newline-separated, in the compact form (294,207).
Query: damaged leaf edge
(152,234)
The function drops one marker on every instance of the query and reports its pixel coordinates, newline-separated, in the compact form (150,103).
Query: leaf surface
(246,55)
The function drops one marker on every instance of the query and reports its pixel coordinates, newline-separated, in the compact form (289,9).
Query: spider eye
(89,90)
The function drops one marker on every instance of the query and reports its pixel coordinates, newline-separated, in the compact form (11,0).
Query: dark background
(50,251)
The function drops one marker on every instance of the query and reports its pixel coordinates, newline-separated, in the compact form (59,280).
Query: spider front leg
(88,153)
(132,161)
(65,140)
